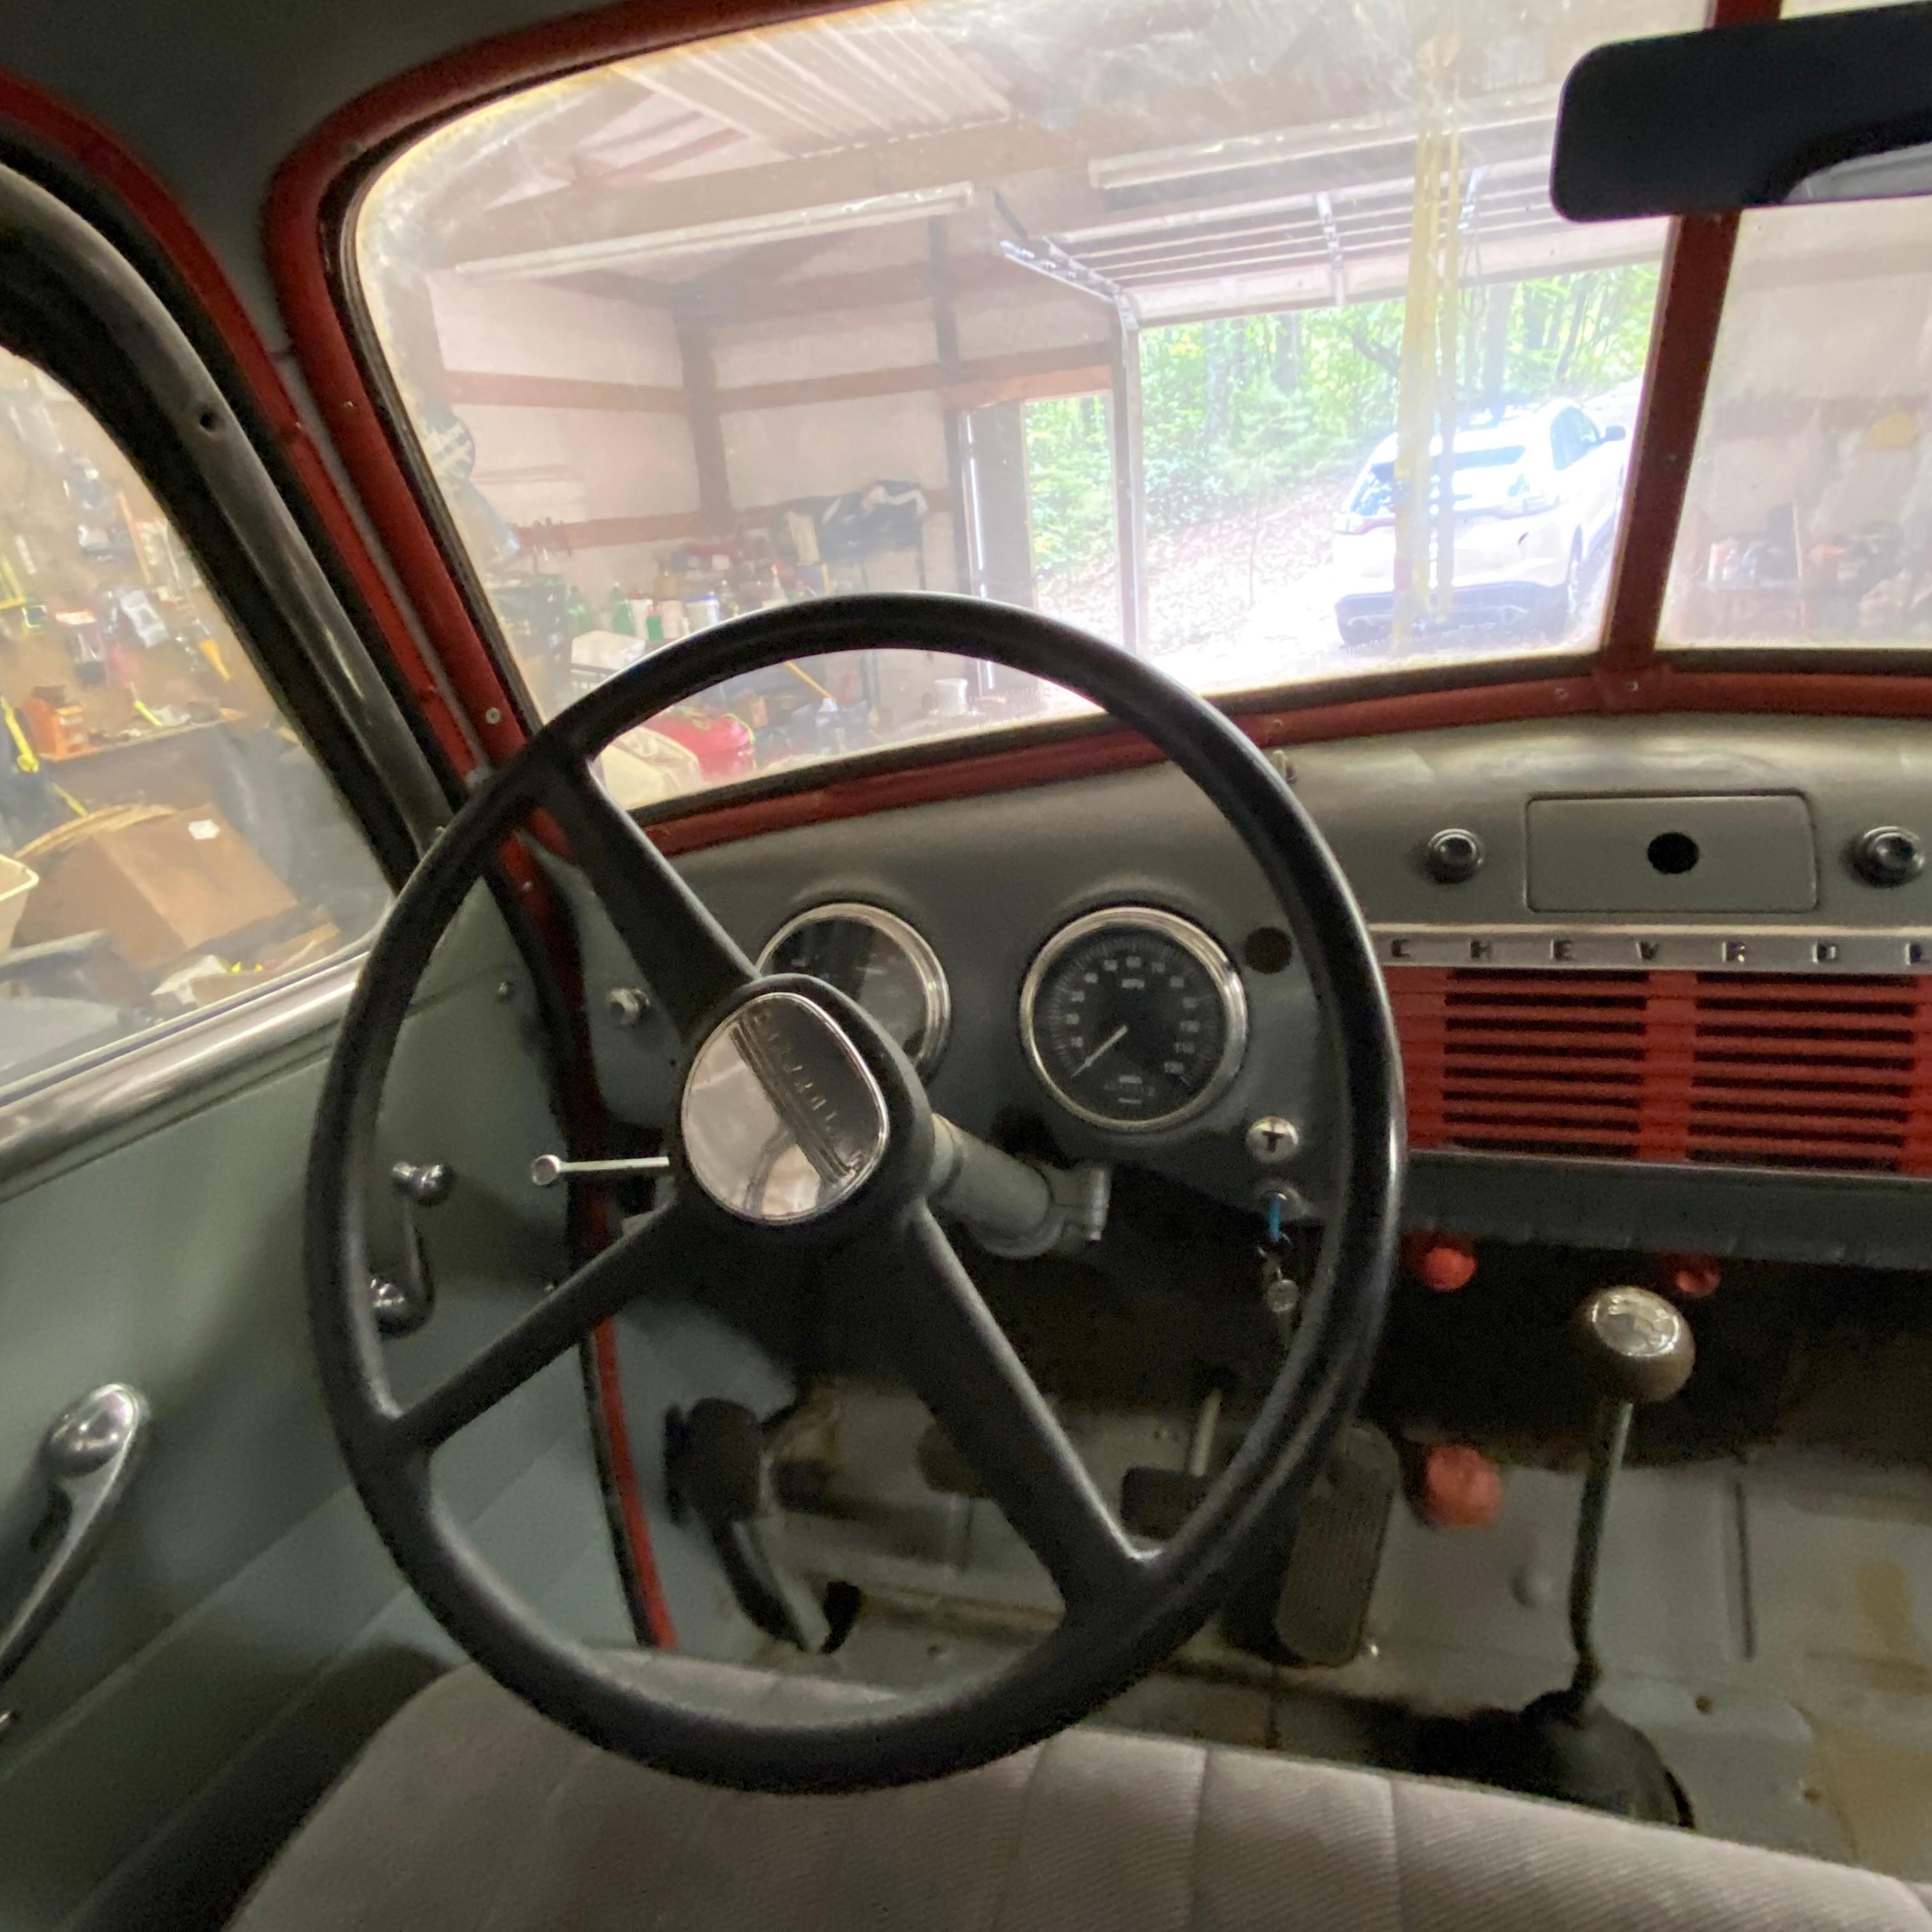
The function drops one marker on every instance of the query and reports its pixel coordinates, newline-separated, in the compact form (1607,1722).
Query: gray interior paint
(242,1570)
(988,879)
(165,76)
(1743,1621)
(1746,853)
(127,1088)
(1378,799)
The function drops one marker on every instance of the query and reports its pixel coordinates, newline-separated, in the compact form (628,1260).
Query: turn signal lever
(1013,1208)
(1635,1347)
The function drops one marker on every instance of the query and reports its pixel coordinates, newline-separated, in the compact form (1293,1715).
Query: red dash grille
(1799,1070)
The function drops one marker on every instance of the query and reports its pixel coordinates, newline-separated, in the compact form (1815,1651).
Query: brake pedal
(1157,1502)
(718,1466)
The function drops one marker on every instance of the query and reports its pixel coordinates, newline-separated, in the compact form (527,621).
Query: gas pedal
(1308,1603)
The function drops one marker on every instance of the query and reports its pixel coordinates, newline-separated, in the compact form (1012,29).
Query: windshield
(1156,318)
(1808,516)
(1477,481)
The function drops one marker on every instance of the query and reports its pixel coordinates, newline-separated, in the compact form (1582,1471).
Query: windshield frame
(312,229)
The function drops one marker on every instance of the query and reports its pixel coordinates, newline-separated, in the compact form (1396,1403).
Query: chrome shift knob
(1634,1344)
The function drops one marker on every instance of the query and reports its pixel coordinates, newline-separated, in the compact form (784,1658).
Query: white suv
(1536,494)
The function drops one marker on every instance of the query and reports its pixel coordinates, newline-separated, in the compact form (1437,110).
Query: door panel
(241,1603)
(182,682)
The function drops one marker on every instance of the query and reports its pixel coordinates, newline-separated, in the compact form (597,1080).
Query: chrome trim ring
(1199,945)
(935,994)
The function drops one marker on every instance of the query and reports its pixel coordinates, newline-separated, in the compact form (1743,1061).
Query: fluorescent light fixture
(743,231)
(1329,140)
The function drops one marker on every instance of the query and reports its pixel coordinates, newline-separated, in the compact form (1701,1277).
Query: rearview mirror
(1837,107)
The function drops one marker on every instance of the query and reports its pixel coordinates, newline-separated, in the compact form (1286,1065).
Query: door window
(167,841)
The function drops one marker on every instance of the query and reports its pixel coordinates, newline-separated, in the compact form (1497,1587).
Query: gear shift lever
(1636,1347)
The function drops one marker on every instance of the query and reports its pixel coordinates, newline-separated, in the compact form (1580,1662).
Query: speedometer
(1134,1017)
(878,961)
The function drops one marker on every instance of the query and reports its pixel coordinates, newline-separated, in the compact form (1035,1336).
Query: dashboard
(1133,1017)
(1664,984)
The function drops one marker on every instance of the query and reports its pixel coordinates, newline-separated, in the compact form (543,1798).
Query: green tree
(1069,484)
(1237,413)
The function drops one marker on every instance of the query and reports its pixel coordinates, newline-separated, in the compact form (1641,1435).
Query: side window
(1571,438)
(165,840)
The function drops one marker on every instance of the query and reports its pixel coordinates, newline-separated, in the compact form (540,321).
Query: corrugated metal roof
(817,85)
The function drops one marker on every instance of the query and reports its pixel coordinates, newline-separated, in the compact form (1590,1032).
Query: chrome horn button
(781,1119)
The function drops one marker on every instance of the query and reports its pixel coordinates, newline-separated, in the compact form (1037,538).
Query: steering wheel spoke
(969,1376)
(663,1247)
(690,962)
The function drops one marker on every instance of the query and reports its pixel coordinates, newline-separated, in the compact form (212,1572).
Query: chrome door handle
(52,1525)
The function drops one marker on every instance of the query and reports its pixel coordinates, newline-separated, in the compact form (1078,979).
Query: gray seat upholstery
(469,1813)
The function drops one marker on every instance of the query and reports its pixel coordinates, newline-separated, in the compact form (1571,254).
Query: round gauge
(1134,1017)
(876,959)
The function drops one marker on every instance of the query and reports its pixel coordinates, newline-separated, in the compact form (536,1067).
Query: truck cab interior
(965,963)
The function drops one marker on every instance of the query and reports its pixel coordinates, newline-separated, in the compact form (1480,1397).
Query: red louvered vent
(1794,1070)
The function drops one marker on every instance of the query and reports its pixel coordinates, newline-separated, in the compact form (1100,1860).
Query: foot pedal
(1155,1503)
(717,1465)
(1310,1603)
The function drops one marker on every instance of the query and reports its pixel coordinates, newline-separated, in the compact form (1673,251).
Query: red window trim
(1690,308)
(305,233)
(315,192)
(98,154)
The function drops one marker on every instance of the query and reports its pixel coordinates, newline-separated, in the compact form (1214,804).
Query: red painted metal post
(1690,304)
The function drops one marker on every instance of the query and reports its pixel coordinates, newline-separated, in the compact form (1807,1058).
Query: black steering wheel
(799,1124)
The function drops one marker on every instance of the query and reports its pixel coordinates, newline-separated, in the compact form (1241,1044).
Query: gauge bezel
(1194,940)
(934,988)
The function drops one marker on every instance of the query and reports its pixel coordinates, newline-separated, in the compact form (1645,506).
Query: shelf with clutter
(165,839)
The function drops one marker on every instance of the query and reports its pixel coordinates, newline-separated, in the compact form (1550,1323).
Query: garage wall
(627,460)
(573,466)
(577,401)
(816,448)
(1035,314)
(518,328)
(1819,420)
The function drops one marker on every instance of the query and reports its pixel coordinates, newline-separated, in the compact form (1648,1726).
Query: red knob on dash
(1442,1262)
(1691,1277)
